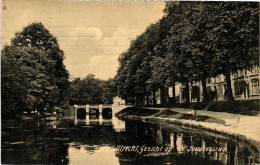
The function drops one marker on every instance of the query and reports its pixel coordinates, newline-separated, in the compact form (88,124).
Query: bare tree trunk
(154,99)
(230,97)
(173,94)
(142,100)
(147,99)
(187,93)
(162,94)
(136,101)
(167,97)
(204,90)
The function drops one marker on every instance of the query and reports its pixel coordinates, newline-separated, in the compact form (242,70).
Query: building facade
(244,84)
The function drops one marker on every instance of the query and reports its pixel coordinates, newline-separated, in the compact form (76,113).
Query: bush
(244,107)
(184,105)
(200,105)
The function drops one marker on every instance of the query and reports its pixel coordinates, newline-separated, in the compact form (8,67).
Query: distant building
(118,101)
(244,84)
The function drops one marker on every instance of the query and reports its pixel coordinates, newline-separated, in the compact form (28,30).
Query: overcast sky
(91,34)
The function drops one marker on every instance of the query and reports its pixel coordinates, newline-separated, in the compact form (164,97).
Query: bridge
(100,113)
(115,108)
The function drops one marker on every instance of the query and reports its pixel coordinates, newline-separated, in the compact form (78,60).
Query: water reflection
(95,140)
(83,155)
(100,119)
(118,125)
(94,119)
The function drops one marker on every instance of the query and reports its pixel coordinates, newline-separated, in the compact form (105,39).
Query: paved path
(248,126)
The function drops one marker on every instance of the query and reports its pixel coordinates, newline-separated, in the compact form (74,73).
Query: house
(118,101)
(244,84)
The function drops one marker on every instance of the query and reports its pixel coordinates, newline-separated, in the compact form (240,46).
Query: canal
(107,141)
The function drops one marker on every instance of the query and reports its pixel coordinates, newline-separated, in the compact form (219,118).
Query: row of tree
(191,42)
(91,90)
(33,74)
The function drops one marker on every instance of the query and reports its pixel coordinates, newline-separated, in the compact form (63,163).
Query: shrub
(244,107)
(200,105)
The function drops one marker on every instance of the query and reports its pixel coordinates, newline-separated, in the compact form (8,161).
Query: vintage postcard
(130,82)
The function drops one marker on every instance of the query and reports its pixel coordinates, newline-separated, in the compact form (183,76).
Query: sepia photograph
(130,82)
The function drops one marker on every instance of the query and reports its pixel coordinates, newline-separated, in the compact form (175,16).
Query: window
(209,80)
(195,92)
(255,70)
(255,87)
(239,88)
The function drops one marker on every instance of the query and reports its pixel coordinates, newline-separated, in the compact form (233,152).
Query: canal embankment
(243,127)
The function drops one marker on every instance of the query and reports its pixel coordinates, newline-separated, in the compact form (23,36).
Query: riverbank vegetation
(244,107)
(193,41)
(33,75)
(139,113)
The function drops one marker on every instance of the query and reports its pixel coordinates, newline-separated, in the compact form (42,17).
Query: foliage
(25,83)
(35,35)
(91,90)
(234,37)
(193,41)
(33,66)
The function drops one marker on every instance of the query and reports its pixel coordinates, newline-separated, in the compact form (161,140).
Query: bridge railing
(93,105)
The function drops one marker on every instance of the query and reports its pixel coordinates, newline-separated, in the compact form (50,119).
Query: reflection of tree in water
(242,153)
(149,135)
(181,141)
(36,142)
(90,149)
(43,148)
(37,145)
(93,136)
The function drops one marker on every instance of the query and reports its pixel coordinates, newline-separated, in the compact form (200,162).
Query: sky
(92,34)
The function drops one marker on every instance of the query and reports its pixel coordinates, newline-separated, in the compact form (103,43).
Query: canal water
(102,140)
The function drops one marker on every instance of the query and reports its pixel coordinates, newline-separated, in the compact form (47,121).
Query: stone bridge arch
(107,113)
(81,113)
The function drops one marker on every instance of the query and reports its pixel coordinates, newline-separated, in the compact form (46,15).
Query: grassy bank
(139,112)
(244,107)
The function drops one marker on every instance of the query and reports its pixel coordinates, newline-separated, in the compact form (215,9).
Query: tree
(178,54)
(37,36)
(109,91)
(25,84)
(234,37)
(124,80)
(194,40)
(13,85)
(91,90)
(33,66)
